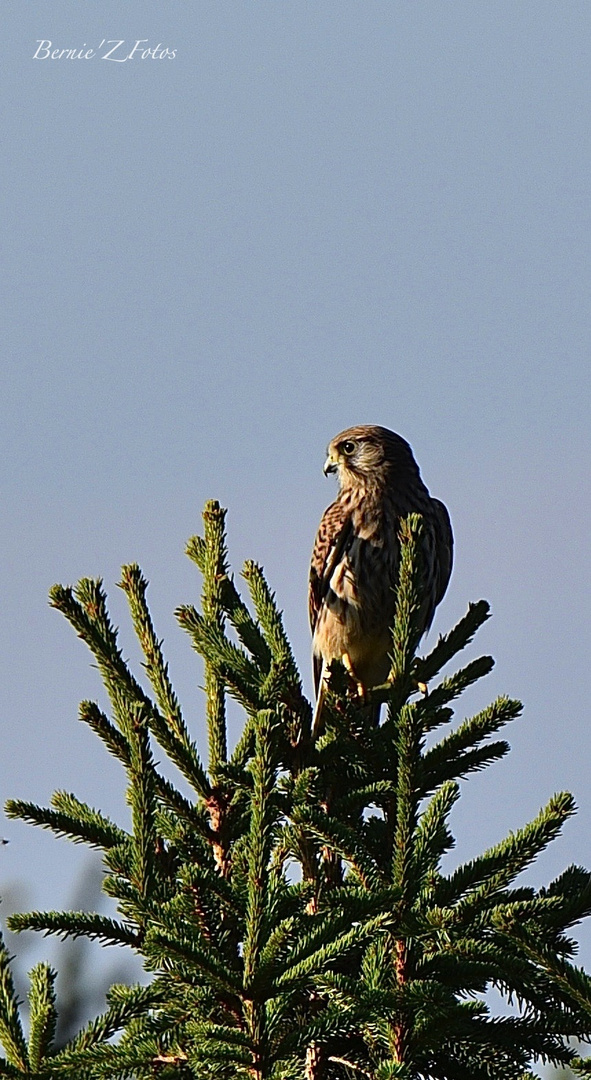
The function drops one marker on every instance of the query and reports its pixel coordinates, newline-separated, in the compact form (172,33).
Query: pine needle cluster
(293,909)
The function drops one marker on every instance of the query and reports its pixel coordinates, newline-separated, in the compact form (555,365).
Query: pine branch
(215,570)
(168,724)
(409,740)
(356,800)
(76,924)
(190,813)
(270,619)
(316,960)
(344,841)
(125,1003)
(367,966)
(453,686)
(119,746)
(124,1061)
(141,796)
(433,838)
(407,627)
(455,768)
(232,665)
(573,981)
(116,743)
(11,1031)
(233,606)
(220,893)
(448,645)
(480,878)
(71,818)
(259,844)
(573,890)
(245,746)
(8,1071)
(165,946)
(296,941)
(451,753)
(42,1015)
(85,609)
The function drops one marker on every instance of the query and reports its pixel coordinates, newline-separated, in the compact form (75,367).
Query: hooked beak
(330,466)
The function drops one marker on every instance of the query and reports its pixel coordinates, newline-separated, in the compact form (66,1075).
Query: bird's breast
(361,589)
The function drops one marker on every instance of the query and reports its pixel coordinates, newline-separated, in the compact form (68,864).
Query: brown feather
(355,561)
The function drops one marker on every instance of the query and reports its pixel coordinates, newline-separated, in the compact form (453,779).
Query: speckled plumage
(354,569)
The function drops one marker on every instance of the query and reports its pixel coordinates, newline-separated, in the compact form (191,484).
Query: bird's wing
(334,531)
(445,548)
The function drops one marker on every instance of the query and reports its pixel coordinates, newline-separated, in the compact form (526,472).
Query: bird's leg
(421,686)
(348,665)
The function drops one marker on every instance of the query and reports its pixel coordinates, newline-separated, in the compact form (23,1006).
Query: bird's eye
(348,447)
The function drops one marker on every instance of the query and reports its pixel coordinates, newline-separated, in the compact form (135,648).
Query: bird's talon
(348,665)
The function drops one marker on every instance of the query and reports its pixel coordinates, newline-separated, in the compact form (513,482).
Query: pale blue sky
(317,214)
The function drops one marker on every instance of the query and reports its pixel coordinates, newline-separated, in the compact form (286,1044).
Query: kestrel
(354,569)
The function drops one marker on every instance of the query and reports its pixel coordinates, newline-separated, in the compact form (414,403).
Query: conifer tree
(294,910)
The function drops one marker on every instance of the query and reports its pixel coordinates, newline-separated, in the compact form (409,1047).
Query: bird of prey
(355,562)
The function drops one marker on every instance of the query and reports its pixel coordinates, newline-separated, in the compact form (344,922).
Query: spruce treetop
(294,910)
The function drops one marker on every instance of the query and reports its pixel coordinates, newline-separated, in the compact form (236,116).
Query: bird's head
(369,454)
